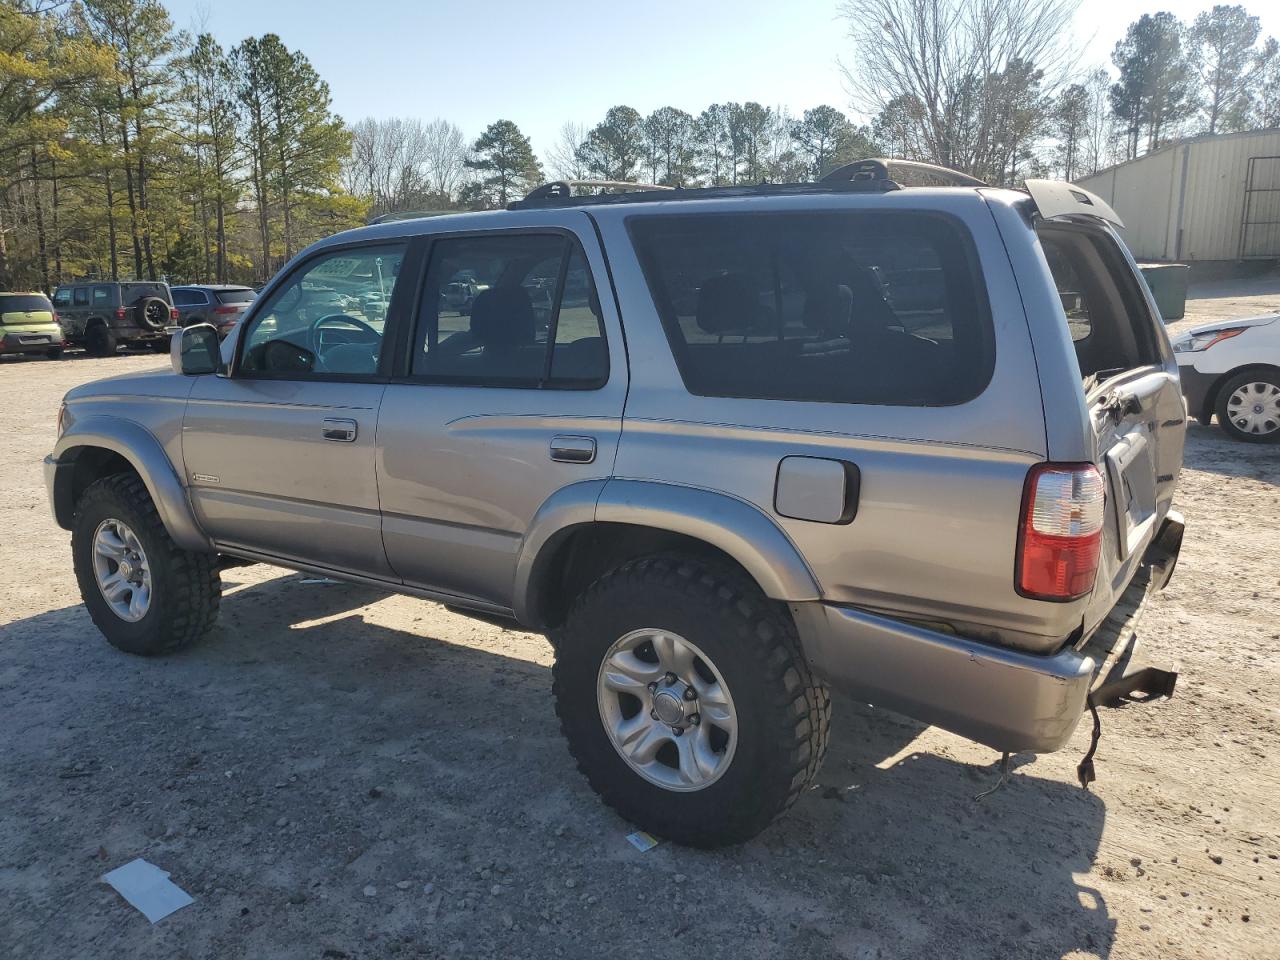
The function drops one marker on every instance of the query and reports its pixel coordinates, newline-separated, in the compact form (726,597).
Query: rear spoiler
(1058,199)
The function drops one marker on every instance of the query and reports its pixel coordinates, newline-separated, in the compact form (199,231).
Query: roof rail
(564,190)
(878,169)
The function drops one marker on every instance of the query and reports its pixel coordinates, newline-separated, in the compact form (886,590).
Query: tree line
(131,149)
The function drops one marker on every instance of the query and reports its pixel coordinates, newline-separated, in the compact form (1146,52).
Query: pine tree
(505,159)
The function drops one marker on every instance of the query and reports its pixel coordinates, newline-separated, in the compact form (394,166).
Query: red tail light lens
(173,313)
(119,313)
(226,309)
(1061,531)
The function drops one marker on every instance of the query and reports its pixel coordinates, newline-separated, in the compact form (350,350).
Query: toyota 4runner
(915,443)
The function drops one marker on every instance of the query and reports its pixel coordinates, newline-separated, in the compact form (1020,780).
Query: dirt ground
(341,773)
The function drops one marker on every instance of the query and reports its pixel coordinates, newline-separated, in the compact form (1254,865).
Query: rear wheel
(1248,406)
(146,594)
(100,341)
(687,702)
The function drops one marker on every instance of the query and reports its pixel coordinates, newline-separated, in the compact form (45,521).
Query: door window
(187,298)
(62,298)
(82,296)
(517,311)
(327,319)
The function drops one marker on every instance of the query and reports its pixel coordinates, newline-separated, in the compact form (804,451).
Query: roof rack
(878,169)
(859,177)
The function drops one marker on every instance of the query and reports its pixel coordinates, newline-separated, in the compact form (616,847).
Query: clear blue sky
(541,63)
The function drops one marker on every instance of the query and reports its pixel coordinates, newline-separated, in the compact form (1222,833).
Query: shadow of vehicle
(307,769)
(1208,448)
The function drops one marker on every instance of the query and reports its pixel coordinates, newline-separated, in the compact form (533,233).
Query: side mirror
(195,350)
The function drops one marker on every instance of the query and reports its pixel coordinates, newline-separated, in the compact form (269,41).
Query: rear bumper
(30,342)
(1007,699)
(1004,698)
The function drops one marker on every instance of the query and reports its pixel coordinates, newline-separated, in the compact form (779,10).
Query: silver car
(771,441)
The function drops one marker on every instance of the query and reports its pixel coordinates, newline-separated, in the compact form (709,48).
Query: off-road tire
(100,341)
(1224,394)
(186,587)
(152,313)
(783,710)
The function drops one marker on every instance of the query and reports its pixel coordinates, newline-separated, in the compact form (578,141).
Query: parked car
(103,316)
(1231,369)
(770,488)
(29,325)
(219,304)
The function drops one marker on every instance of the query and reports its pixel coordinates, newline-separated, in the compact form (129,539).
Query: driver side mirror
(195,350)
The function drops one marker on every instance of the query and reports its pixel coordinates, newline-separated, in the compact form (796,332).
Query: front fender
(738,528)
(144,453)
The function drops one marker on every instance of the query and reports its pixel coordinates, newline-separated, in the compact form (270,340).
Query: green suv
(102,316)
(29,325)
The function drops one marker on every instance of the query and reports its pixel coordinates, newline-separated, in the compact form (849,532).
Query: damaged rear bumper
(1007,699)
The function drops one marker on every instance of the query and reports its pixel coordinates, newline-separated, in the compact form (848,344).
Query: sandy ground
(341,773)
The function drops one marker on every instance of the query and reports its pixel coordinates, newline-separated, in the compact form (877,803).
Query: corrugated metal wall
(1187,201)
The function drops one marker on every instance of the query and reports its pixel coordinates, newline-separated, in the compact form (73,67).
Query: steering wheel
(316,336)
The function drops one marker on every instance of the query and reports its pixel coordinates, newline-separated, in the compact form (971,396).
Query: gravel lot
(341,773)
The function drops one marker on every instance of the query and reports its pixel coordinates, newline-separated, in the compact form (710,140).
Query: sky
(475,61)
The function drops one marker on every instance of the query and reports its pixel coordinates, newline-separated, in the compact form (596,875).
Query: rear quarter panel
(941,487)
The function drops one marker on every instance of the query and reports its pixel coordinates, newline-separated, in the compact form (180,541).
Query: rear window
(827,307)
(131,293)
(23,303)
(1107,315)
(235,296)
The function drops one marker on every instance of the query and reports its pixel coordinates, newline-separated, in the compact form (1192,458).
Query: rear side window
(518,310)
(187,298)
(235,296)
(826,307)
(101,296)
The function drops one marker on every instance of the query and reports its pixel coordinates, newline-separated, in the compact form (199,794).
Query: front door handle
(573,449)
(336,428)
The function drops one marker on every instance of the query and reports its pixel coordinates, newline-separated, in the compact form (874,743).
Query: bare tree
(445,156)
(563,159)
(955,62)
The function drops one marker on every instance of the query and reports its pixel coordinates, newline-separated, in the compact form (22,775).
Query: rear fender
(736,527)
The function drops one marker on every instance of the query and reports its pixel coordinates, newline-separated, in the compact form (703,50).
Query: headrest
(827,308)
(503,317)
(871,311)
(727,304)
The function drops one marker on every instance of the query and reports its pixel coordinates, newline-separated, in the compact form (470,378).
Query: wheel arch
(99,446)
(587,528)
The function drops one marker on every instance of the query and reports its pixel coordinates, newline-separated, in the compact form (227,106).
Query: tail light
(226,309)
(1060,536)
(173,313)
(119,313)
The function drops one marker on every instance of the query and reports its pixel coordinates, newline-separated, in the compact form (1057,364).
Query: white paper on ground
(148,888)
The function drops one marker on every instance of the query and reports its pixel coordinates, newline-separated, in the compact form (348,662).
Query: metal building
(1209,198)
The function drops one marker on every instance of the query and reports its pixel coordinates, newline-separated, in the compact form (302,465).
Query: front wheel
(146,594)
(1248,407)
(687,702)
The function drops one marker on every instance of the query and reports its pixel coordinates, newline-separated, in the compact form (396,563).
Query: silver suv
(916,443)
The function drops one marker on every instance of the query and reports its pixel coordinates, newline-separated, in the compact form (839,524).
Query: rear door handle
(573,449)
(336,428)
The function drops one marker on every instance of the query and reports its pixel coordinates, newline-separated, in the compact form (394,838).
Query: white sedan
(1232,369)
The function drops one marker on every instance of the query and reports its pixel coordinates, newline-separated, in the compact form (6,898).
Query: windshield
(235,296)
(23,303)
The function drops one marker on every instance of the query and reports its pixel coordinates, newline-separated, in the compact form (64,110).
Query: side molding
(143,451)
(740,529)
